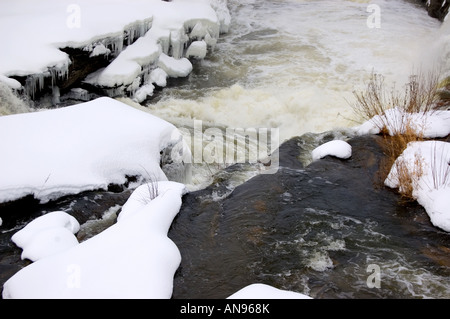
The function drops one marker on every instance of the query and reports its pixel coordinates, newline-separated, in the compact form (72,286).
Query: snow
(429,124)
(100,27)
(11,83)
(263,291)
(159,77)
(99,49)
(128,65)
(47,235)
(133,258)
(143,92)
(82,147)
(430,162)
(337,148)
(427,162)
(175,67)
(197,49)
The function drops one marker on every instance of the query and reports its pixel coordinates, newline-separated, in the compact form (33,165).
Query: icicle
(133,87)
(56,95)
(177,41)
(114,92)
(78,94)
(59,73)
(137,30)
(34,82)
(114,44)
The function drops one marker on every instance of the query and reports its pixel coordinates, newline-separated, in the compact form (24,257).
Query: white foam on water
(294,64)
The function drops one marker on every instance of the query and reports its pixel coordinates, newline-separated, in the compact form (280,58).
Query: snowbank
(40,29)
(430,124)
(426,163)
(83,147)
(262,291)
(135,32)
(134,258)
(47,235)
(337,148)
(429,164)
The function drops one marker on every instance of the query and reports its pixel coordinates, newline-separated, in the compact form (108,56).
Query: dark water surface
(318,230)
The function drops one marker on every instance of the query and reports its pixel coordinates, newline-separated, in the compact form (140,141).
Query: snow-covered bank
(134,32)
(428,165)
(83,147)
(134,258)
(425,165)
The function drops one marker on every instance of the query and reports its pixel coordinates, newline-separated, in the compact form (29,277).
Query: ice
(147,27)
(133,258)
(143,92)
(128,65)
(173,67)
(137,30)
(220,6)
(337,148)
(78,94)
(197,49)
(82,147)
(159,77)
(34,82)
(100,49)
(178,38)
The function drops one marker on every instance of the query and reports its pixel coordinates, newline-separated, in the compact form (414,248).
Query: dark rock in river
(315,230)
(437,8)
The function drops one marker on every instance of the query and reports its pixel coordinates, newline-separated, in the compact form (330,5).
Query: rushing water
(294,64)
(291,65)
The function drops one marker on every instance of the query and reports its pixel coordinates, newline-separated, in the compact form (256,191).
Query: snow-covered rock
(430,124)
(337,148)
(147,27)
(82,147)
(133,258)
(197,49)
(428,164)
(47,235)
(175,67)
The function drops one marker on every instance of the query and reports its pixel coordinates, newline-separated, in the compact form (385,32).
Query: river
(293,65)
(289,65)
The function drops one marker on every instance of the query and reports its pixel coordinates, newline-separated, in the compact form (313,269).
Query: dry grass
(420,96)
(408,177)
(393,147)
